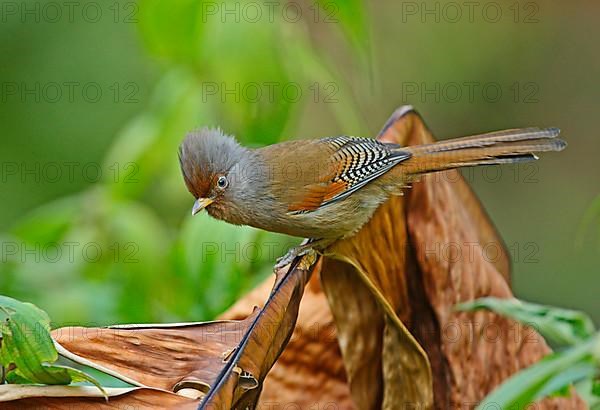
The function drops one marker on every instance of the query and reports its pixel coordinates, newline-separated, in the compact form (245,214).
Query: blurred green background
(95,219)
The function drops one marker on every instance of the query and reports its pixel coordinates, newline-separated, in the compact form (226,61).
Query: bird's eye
(222,182)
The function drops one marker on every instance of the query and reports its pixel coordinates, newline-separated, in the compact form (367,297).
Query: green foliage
(27,351)
(130,251)
(563,326)
(223,261)
(577,365)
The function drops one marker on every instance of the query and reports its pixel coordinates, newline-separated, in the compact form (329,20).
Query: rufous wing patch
(315,194)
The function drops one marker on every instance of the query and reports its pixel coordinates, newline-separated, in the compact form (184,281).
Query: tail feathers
(501,147)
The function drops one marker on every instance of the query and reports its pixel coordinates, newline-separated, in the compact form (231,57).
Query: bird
(326,189)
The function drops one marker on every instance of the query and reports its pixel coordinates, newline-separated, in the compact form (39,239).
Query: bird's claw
(289,257)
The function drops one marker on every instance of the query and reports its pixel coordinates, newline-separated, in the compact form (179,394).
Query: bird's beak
(200,204)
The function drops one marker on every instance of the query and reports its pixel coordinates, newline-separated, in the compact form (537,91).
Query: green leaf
(25,327)
(75,376)
(565,327)
(10,306)
(559,385)
(552,375)
(104,379)
(585,390)
(27,344)
(596,387)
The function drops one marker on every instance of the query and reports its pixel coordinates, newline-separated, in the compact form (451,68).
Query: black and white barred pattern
(363,159)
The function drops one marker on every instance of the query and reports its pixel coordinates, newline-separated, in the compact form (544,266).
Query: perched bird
(326,189)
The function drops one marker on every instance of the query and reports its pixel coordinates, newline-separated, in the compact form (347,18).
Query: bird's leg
(307,246)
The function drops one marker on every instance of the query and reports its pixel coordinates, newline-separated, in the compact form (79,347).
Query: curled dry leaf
(66,397)
(217,365)
(240,382)
(363,281)
(310,373)
(160,360)
(476,351)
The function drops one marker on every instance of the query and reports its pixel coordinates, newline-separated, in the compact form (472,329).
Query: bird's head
(210,162)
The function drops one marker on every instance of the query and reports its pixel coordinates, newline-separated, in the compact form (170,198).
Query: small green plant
(575,365)
(27,351)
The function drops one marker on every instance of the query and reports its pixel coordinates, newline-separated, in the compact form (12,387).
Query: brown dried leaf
(363,279)
(406,127)
(310,372)
(360,343)
(143,399)
(232,357)
(368,296)
(163,358)
(158,356)
(476,351)
(240,382)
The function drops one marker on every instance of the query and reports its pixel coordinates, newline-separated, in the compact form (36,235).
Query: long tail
(509,146)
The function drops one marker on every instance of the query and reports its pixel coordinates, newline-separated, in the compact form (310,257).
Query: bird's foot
(305,248)
(289,257)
